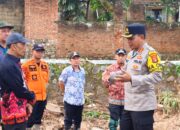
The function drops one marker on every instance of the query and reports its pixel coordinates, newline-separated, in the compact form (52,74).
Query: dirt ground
(95,115)
(53,119)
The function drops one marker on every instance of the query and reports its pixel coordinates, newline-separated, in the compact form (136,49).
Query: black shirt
(11,78)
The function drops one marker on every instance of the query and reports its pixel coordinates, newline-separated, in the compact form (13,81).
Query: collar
(33,60)
(2,46)
(139,51)
(74,70)
(13,58)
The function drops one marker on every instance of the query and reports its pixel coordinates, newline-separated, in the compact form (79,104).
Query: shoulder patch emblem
(154,57)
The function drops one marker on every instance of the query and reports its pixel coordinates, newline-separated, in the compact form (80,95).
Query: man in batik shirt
(116,88)
(72,81)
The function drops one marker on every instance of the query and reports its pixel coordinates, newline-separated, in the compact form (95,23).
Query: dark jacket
(11,78)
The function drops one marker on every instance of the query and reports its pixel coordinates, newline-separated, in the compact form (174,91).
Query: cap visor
(8,26)
(127,36)
(120,53)
(39,49)
(75,56)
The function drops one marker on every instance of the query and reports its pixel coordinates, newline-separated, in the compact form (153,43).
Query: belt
(116,102)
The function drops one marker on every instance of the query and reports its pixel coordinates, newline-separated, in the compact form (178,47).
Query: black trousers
(73,114)
(37,113)
(115,111)
(141,120)
(115,115)
(21,126)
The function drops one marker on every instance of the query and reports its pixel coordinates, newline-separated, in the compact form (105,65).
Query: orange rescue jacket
(36,77)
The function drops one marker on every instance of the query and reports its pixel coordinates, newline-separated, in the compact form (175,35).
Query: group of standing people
(130,82)
(23,86)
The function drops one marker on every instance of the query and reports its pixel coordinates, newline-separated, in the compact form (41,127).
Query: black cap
(74,54)
(5,25)
(38,47)
(120,51)
(16,38)
(133,29)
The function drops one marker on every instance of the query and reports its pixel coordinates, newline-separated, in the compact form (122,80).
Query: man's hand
(61,86)
(112,78)
(29,109)
(126,77)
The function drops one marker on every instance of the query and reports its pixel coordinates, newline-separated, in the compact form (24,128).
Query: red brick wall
(137,13)
(89,42)
(40,17)
(164,40)
(102,43)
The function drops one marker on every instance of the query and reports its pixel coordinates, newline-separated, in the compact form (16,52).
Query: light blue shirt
(74,85)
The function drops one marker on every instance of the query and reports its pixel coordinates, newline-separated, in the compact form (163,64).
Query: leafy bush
(76,10)
(170,69)
(71,10)
(170,102)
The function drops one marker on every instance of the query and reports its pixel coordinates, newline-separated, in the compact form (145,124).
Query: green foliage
(95,4)
(55,70)
(170,7)
(170,69)
(71,10)
(74,10)
(95,114)
(101,4)
(178,70)
(103,9)
(170,2)
(107,16)
(126,4)
(169,101)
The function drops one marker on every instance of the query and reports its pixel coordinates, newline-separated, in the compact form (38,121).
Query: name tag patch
(138,61)
(32,68)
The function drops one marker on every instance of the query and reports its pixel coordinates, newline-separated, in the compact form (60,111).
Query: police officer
(36,73)
(142,71)
(5,30)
